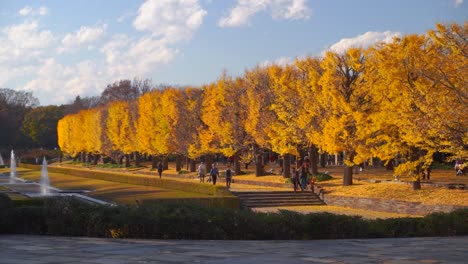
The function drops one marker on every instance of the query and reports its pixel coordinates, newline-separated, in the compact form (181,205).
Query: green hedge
(215,190)
(70,217)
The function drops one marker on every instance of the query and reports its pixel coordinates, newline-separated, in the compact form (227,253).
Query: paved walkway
(45,249)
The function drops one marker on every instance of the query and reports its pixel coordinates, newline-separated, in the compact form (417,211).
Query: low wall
(391,206)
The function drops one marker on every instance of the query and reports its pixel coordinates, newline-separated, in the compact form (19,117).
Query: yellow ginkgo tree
(120,128)
(345,96)
(419,88)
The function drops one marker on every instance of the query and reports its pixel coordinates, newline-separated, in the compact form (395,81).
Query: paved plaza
(46,249)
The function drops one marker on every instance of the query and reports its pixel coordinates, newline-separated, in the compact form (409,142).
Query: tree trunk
(193,165)
(323,160)
(154,162)
(178,162)
(96,159)
(259,170)
(165,162)
(82,157)
(208,162)
(286,166)
(313,152)
(127,160)
(137,159)
(237,165)
(417,184)
(389,165)
(348,176)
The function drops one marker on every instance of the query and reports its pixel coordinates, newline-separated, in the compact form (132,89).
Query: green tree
(40,125)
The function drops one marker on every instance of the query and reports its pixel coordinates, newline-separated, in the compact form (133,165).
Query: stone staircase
(277,198)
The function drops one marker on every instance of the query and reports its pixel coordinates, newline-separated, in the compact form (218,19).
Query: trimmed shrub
(67,216)
(323,177)
(5,202)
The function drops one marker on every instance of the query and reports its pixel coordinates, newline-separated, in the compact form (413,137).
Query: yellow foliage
(120,127)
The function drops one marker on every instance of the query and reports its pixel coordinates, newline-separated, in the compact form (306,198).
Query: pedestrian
(214,173)
(228,174)
(295,178)
(304,173)
(160,169)
(312,183)
(201,171)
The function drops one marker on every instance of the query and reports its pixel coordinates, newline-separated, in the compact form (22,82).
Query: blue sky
(61,49)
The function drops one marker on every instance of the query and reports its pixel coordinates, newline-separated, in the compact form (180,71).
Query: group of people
(214,174)
(299,176)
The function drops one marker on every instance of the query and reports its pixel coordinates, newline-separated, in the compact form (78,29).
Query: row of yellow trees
(404,99)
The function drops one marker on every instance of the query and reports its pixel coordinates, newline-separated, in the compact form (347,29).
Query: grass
(366,214)
(393,191)
(110,191)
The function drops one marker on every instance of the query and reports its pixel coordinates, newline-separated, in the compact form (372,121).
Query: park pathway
(22,249)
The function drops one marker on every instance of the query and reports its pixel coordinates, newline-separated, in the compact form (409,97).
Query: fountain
(12,168)
(2,163)
(45,184)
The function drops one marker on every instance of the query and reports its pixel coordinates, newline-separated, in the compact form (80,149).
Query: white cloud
(13,73)
(139,57)
(281,61)
(280,9)
(84,36)
(56,83)
(27,61)
(27,10)
(458,3)
(23,42)
(363,41)
(123,17)
(172,20)
(290,10)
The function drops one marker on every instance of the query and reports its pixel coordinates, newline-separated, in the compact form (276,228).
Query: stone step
(277,198)
(274,198)
(276,195)
(252,204)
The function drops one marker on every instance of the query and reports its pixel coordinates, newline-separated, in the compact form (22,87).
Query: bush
(319,177)
(183,172)
(442,166)
(110,166)
(5,202)
(323,177)
(67,216)
(6,208)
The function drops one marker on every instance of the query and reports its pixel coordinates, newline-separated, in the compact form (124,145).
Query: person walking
(201,171)
(295,178)
(304,173)
(228,174)
(160,169)
(214,173)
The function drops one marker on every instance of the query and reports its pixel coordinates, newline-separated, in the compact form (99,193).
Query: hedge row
(209,189)
(70,217)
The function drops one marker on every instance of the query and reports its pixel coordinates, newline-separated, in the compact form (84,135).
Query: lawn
(109,191)
(386,189)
